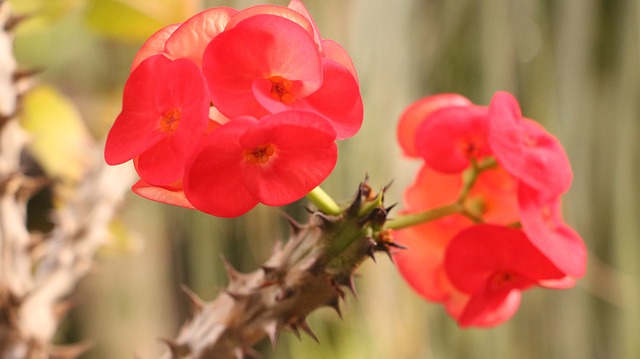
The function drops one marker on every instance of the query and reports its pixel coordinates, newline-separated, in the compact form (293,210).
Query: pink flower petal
(422,264)
(304,155)
(154,45)
(213,179)
(493,264)
(157,87)
(542,221)
(333,51)
(280,11)
(338,100)
(193,36)
(452,136)
(260,47)
(169,195)
(299,7)
(490,309)
(418,112)
(475,255)
(525,149)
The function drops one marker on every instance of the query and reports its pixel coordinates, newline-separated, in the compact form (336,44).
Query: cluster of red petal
(478,271)
(233,108)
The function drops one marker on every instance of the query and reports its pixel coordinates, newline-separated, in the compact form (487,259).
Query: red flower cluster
(233,108)
(508,174)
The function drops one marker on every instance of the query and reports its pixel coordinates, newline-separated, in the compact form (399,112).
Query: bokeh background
(573,64)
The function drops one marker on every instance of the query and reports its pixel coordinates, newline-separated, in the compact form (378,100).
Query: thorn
(232,273)
(367,191)
(388,209)
(371,250)
(268,269)
(69,351)
(196,302)
(250,352)
(296,227)
(177,350)
(397,246)
(339,290)
(349,283)
(305,326)
(353,209)
(273,332)
(386,188)
(390,256)
(352,286)
(326,219)
(377,216)
(235,296)
(335,304)
(277,248)
(294,330)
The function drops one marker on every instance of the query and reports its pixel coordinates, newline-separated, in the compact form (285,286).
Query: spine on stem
(313,269)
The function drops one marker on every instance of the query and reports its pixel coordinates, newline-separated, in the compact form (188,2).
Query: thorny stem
(324,202)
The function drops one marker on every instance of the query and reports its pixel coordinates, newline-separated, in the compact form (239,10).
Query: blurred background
(573,64)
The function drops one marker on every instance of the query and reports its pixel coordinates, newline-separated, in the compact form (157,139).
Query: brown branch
(37,273)
(314,269)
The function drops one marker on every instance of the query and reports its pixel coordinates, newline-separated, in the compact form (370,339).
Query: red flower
(164,114)
(268,64)
(478,272)
(451,137)
(493,198)
(275,160)
(527,150)
(192,37)
(170,194)
(542,221)
(188,39)
(493,264)
(154,45)
(416,113)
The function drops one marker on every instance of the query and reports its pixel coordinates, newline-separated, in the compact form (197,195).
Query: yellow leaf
(135,20)
(60,142)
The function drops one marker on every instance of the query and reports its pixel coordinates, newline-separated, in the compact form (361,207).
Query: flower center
(281,89)
(170,120)
(503,279)
(260,154)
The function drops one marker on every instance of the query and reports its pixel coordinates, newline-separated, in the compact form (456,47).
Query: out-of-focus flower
(492,265)
(526,149)
(499,169)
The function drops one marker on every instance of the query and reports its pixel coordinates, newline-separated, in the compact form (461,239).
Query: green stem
(423,217)
(324,202)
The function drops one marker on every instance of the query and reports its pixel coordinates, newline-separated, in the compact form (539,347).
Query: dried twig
(38,272)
